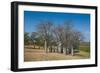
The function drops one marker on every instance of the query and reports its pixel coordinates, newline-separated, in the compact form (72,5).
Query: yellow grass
(31,54)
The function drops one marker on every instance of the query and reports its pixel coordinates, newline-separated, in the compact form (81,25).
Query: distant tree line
(61,38)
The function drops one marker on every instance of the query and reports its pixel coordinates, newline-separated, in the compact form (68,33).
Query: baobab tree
(58,34)
(68,37)
(44,30)
(72,38)
(64,37)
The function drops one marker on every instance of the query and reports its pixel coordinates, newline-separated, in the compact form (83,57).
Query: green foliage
(33,37)
(26,38)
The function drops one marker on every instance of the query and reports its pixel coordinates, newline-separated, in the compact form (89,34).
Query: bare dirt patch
(40,55)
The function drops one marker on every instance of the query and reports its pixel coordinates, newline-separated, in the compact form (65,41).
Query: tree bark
(45,46)
(50,49)
(65,51)
(61,48)
(72,51)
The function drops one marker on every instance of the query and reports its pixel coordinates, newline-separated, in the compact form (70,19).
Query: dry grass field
(36,54)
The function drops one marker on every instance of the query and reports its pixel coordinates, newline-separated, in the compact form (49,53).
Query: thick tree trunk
(50,49)
(65,51)
(61,48)
(45,46)
(72,51)
(57,50)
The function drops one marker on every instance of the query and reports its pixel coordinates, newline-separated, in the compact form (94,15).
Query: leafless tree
(44,29)
(58,34)
(63,37)
(72,38)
